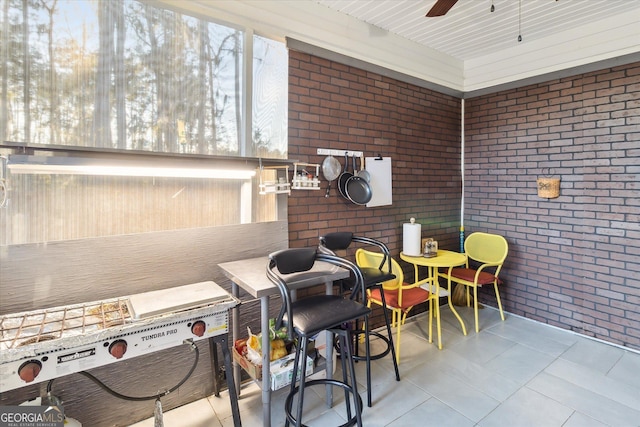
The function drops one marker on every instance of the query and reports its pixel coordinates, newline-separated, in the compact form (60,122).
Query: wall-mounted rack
(304,182)
(339,153)
(279,186)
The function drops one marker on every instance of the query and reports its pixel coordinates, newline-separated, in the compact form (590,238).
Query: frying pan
(344,177)
(362,173)
(358,189)
(331,170)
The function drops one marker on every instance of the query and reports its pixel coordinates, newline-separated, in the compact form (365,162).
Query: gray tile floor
(513,373)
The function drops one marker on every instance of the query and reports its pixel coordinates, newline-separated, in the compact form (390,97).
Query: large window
(128,75)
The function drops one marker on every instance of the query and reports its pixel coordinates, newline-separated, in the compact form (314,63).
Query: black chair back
(298,260)
(341,240)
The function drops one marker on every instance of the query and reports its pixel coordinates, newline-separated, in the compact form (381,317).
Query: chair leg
(352,371)
(344,339)
(301,353)
(495,286)
(398,329)
(348,383)
(475,307)
(368,357)
(390,334)
(367,346)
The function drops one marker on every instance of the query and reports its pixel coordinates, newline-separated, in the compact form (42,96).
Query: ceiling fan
(441,7)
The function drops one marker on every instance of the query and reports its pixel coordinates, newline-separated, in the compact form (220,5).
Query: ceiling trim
(330,55)
(320,52)
(554,75)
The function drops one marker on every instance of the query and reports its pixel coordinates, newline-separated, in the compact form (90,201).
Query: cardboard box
(254,371)
(281,370)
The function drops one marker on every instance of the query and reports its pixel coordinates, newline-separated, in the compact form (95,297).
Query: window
(127,75)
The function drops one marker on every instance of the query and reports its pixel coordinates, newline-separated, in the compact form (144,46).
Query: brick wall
(336,106)
(574,261)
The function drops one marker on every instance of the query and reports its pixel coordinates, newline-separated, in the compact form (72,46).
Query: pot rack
(299,181)
(339,153)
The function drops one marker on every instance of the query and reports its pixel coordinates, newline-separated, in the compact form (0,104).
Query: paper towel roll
(411,238)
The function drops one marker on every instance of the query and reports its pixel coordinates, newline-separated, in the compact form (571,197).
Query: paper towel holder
(411,234)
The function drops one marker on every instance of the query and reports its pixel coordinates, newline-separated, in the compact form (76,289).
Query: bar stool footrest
(288,403)
(372,356)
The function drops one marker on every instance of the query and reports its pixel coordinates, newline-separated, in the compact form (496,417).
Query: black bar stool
(309,316)
(373,278)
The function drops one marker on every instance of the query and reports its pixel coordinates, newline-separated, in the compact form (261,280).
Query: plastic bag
(254,348)
(277,333)
(278,349)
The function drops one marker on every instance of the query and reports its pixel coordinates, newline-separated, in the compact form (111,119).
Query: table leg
(233,396)
(266,360)
(213,349)
(433,275)
(464,328)
(438,324)
(235,335)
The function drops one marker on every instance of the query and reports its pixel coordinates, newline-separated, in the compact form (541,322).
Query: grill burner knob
(198,328)
(28,371)
(118,348)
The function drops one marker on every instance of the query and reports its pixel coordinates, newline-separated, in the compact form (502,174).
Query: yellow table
(444,259)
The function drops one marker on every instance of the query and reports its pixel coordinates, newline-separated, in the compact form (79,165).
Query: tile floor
(513,373)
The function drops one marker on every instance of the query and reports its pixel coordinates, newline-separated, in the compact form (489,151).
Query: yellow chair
(400,297)
(489,251)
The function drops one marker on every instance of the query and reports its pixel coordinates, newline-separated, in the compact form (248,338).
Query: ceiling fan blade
(441,8)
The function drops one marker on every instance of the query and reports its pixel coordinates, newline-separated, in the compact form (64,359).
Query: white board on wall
(380,170)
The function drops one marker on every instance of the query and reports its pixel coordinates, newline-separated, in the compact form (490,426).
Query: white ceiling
(467,52)
(470,30)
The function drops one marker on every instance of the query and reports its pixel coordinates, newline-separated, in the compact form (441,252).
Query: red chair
(400,297)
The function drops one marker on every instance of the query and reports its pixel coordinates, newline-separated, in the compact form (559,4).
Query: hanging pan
(344,177)
(357,188)
(331,170)
(363,173)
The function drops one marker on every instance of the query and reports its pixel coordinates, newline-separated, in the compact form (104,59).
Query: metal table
(250,275)
(444,259)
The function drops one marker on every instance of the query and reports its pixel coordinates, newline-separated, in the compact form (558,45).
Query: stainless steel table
(250,275)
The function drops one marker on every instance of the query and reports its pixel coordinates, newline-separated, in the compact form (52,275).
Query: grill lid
(155,303)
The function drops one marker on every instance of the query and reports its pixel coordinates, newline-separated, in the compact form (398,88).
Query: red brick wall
(339,107)
(574,261)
